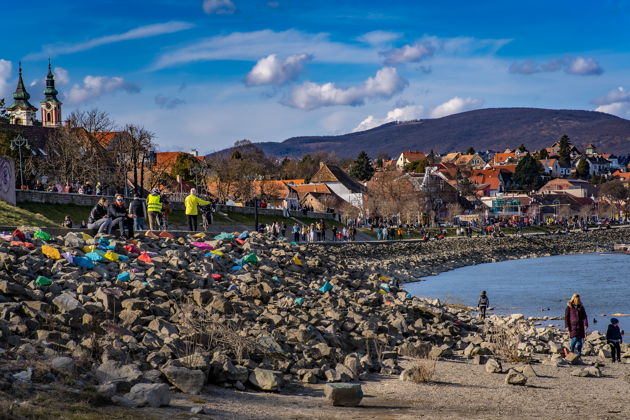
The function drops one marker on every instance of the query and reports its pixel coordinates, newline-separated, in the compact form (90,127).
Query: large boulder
(265,379)
(343,394)
(186,380)
(115,372)
(154,395)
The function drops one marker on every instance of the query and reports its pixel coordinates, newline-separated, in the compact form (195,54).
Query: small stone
(63,364)
(493,366)
(196,409)
(515,378)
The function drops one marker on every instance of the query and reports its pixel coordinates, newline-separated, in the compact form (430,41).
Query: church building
(22,112)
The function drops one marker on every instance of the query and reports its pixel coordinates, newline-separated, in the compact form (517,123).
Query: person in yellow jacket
(154,207)
(191,203)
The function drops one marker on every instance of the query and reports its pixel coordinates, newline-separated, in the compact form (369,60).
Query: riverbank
(412,260)
(214,321)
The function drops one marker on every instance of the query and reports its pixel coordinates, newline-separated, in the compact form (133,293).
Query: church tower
(51,106)
(21,112)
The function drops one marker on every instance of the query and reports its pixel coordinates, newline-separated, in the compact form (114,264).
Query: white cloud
(620,109)
(5,73)
(309,95)
(405,113)
(614,95)
(584,67)
(580,66)
(408,53)
(253,45)
(271,70)
(95,86)
(454,106)
(137,33)
(61,76)
(378,38)
(219,7)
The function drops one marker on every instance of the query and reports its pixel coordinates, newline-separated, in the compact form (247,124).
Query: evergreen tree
(417,166)
(362,168)
(582,168)
(183,167)
(470,151)
(543,154)
(564,149)
(528,173)
(379,162)
(522,148)
(431,158)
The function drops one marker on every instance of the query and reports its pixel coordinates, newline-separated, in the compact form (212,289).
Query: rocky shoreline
(136,322)
(412,260)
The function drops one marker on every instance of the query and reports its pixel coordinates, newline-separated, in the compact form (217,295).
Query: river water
(540,286)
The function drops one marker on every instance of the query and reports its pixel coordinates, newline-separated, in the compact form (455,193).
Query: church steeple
(21,112)
(50,94)
(21,96)
(51,106)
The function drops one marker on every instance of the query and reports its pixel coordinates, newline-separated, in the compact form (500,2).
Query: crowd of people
(314,232)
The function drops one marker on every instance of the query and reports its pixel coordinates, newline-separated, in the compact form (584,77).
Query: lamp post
(18,143)
(196,170)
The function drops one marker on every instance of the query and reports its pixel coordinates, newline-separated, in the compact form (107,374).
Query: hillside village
(89,154)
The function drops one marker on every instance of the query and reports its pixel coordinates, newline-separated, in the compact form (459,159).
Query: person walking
(482,304)
(576,322)
(136,208)
(99,216)
(614,337)
(154,207)
(192,203)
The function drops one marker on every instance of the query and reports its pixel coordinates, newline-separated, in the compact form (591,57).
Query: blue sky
(205,73)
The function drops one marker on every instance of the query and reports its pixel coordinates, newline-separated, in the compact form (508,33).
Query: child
(483,304)
(614,336)
(67,222)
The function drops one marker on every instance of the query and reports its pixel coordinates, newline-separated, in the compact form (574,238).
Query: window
(48,117)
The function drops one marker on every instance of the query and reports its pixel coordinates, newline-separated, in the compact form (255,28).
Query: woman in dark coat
(576,321)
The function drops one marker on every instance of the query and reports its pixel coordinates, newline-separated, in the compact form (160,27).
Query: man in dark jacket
(99,217)
(120,218)
(136,208)
(576,322)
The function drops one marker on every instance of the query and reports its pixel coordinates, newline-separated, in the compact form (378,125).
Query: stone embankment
(128,319)
(409,261)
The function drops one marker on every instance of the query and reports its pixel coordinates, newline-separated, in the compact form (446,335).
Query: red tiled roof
(414,156)
(104,138)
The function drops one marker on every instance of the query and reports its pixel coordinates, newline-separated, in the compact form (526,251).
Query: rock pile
(246,311)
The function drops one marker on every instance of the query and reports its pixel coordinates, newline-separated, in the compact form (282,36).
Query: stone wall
(91,200)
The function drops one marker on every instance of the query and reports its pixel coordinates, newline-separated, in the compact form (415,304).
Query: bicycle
(206,216)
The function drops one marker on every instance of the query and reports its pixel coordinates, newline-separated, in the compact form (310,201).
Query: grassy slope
(17,216)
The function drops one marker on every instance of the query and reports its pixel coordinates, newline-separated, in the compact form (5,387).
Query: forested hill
(484,129)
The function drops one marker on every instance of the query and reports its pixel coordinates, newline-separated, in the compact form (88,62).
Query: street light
(18,143)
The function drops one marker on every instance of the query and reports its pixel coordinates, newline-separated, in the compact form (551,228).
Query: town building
(22,112)
(408,157)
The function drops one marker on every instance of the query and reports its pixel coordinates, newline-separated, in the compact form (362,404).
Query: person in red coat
(576,321)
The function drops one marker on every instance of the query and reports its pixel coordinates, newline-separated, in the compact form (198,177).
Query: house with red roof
(408,157)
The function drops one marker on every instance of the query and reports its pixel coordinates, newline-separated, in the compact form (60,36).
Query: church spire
(50,93)
(21,96)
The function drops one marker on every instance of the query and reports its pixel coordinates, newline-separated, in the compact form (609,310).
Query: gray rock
(113,371)
(186,380)
(63,364)
(154,395)
(515,378)
(573,359)
(106,390)
(125,402)
(493,366)
(265,379)
(343,394)
(66,303)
